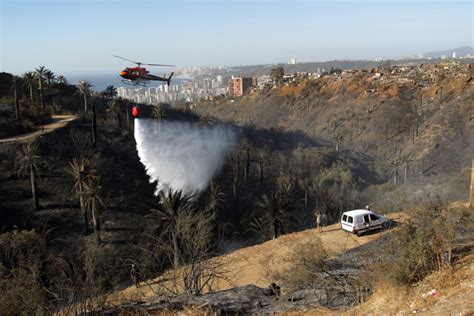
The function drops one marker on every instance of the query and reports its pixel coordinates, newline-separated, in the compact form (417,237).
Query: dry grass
(455,288)
(256,264)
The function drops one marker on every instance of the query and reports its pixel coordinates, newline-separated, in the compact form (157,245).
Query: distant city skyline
(80,37)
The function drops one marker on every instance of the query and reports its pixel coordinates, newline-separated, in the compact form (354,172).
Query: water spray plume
(182,156)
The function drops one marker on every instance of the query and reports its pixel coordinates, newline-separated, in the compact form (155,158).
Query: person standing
(318,221)
(135,275)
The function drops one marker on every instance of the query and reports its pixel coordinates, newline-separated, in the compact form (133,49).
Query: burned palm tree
(93,202)
(173,205)
(274,213)
(40,73)
(395,165)
(339,141)
(27,162)
(158,112)
(50,77)
(84,88)
(63,80)
(29,80)
(205,121)
(215,198)
(15,84)
(110,92)
(80,171)
(113,111)
(405,161)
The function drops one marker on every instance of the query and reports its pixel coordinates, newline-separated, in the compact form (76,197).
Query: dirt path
(59,121)
(254,265)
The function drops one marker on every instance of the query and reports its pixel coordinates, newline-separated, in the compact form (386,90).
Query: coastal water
(101,81)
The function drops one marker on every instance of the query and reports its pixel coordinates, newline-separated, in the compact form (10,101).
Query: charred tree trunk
(260,170)
(86,109)
(175,251)
(31,93)
(127,110)
(34,192)
(17,102)
(94,126)
(95,220)
(41,94)
(83,210)
(247,163)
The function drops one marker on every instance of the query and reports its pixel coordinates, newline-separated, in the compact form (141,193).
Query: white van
(361,221)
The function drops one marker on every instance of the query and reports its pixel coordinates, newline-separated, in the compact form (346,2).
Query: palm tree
(262,157)
(49,75)
(93,202)
(40,73)
(85,89)
(27,161)
(338,140)
(395,164)
(110,91)
(158,112)
(215,197)
(63,80)
(80,171)
(29,78)
(94,125)
(205,121)
(174,204)
(274,213)
(405,160)
(113,111)
(15,83)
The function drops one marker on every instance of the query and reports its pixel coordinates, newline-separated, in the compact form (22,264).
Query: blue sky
(75,37)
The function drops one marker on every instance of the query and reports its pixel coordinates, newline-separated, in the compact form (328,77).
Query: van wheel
(358,234)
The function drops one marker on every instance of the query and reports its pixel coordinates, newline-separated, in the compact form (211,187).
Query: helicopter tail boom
(168,80)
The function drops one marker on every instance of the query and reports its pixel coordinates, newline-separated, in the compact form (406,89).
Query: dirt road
(59,121)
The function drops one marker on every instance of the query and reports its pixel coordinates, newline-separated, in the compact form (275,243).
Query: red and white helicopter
(139,76)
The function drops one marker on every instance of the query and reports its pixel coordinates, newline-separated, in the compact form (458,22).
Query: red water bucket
(135,111)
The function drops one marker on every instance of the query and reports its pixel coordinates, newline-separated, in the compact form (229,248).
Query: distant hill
(460,52)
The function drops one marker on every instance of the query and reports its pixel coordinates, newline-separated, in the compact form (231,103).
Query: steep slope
(256,265)
(422,113)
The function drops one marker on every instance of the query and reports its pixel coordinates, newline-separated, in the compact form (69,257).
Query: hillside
(261,264)
(388,138)
(253,268)
(424,113)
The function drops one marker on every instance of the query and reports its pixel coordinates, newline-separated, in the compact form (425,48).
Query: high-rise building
(239,85)
(292,61)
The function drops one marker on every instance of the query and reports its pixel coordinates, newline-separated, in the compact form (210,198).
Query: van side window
(350,220)
(344,218)
(373,217)
(366,218)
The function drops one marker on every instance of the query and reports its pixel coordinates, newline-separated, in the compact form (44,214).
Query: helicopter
(138,76)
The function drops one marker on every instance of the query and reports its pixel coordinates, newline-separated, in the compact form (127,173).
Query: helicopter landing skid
(135,84)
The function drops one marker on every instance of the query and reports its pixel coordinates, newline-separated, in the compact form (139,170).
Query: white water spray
(182,156)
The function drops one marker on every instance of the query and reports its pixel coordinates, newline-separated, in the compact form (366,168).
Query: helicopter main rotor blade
(159,65)
(127,59)
(139,63)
